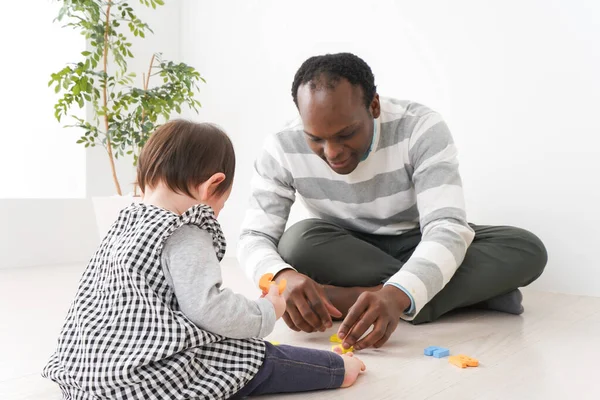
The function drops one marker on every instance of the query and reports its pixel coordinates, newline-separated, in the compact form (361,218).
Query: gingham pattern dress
(125,336)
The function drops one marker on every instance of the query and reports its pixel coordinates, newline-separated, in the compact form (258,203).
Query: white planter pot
(107,210)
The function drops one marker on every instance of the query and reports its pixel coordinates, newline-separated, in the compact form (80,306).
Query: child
(150,319)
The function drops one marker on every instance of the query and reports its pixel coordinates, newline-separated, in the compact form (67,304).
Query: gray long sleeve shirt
(193,271)
(409,179)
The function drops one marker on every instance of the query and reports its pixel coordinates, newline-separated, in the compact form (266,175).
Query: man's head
(337,100)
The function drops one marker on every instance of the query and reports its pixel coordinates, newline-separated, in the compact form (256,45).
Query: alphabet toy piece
(463,361)
(267,280)
(335,338)
(437,352)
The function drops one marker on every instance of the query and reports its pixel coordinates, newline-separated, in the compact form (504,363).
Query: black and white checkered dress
(125,336)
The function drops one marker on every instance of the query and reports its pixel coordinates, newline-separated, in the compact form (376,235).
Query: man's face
(337,125)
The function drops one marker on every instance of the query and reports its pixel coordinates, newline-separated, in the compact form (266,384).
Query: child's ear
(209,187)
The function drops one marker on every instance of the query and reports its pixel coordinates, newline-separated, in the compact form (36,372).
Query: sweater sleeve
(192,269)
(271,199)
(446,235)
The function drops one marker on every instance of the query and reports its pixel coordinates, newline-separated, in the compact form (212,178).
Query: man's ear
(375,107)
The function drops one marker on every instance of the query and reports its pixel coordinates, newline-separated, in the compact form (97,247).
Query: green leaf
(62,12)
(82,82)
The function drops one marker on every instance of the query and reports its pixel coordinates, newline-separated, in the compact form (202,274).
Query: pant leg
(500,260)
(332,255)
(290,369)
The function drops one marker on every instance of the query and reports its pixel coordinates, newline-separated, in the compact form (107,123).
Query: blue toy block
(441,352)
(436,351)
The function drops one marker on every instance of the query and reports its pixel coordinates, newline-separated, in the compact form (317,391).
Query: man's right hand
(308,308)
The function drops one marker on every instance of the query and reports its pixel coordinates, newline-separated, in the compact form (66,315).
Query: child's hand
(277,300)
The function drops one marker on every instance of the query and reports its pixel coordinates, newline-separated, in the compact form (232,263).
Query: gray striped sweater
(409,179)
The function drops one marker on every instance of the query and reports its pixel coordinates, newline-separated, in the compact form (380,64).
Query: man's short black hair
(330,68)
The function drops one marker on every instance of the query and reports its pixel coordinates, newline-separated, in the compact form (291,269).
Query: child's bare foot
(354,367)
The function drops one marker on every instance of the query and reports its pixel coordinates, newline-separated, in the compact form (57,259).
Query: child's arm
(193,270)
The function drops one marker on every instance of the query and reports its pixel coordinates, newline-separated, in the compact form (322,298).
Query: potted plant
(124,115)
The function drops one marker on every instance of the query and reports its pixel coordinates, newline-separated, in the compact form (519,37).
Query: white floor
(551,352)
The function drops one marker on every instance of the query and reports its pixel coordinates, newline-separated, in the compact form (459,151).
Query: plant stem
(105,101)
(149,71)
(145,83)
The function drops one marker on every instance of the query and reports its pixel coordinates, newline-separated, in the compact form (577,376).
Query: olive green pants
(500,260)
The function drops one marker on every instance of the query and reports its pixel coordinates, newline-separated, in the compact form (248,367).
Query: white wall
(517,82)
(59,231)
(30,151)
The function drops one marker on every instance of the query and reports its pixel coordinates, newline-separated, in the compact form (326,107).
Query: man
(390,237)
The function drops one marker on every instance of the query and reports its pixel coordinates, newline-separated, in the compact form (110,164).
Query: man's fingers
(360,327)
(289,322)
(393,325)
(308,314)
(334,312)
(353,316)
(378,334)
(298,320)
(317,302)
(384,339)
(330,308)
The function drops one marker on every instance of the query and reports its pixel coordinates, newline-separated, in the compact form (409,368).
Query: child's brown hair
(183,155)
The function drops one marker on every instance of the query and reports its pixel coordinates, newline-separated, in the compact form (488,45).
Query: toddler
(150,319)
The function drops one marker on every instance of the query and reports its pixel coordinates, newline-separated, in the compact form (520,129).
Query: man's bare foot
(344,297)
(353,367)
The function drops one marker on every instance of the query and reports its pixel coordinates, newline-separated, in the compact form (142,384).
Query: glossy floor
(550,352)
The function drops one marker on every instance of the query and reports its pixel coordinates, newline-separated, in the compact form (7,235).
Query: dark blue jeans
(289,369)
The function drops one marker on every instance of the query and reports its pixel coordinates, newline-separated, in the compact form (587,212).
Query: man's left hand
(381,309)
